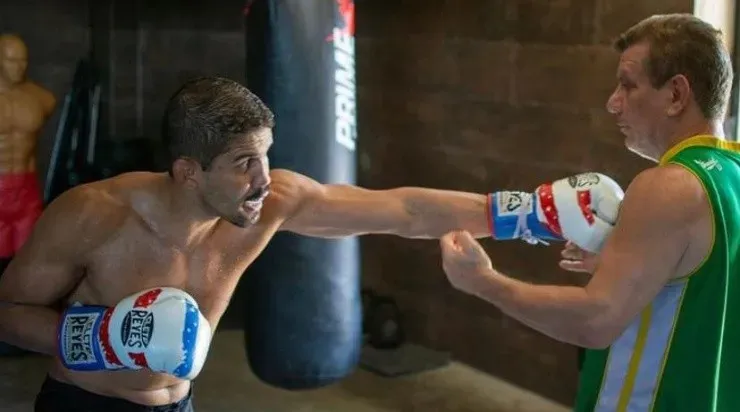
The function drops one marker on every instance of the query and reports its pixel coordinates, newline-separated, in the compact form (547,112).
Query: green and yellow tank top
(682,354)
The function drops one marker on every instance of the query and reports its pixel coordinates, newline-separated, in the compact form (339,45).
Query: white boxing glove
(160,329)
(582,209)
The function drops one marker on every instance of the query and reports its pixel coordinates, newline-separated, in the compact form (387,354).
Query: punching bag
(303,321)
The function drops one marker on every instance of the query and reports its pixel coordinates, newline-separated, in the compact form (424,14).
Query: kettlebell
(384,324)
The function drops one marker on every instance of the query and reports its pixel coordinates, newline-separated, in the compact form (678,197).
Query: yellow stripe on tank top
(629,382)
(668,345)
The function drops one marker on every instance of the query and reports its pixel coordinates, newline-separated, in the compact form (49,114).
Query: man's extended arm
(580,208)
(47,268)
(344,210)
(654,230)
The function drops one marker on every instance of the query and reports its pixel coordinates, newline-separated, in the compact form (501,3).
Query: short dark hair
(206,115)
(681,43)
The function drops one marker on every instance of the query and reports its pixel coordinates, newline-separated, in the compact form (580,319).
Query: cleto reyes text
(78,342)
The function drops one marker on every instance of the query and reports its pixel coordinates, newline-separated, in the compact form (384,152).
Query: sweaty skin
(24,109)
(100,242)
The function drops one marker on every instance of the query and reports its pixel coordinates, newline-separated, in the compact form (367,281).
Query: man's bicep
(347,210)
(38,279)
(644,250)
(308,207)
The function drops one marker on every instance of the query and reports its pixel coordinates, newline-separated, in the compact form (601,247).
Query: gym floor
(224,386)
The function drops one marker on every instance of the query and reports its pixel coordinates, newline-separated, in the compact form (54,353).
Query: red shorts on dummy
(20,207)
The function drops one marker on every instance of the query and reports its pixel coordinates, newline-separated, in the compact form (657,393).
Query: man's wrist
(491,285)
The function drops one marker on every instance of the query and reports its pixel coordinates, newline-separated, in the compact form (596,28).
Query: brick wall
(486,95)
(146,51)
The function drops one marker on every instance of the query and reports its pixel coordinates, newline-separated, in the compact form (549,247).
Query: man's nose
(613,103)
(263,179)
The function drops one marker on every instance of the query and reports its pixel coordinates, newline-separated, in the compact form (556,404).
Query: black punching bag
(303,320)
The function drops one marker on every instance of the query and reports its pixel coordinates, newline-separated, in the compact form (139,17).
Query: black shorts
(62,397)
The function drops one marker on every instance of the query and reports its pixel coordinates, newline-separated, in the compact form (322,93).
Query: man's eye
(252,162)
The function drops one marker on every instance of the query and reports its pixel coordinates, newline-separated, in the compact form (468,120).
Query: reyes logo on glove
(510,203)
(77,338)
(137,328)
(583,180)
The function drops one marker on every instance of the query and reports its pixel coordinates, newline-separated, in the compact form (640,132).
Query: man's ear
(187,172)
(680,94)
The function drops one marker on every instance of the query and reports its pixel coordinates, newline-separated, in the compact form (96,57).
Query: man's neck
(709,128)
(186,224)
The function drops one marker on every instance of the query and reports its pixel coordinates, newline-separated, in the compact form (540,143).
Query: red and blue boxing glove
(582,209)
(160,329)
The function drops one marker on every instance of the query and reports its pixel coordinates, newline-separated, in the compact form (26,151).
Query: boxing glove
(160,329)
(581,208)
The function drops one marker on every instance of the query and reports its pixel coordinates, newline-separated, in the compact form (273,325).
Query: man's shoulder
(291,192)
(286,176)
(38,90)
(85,215)
(668,176)
(287,185)
(39,93)
(287,188)
(112,198)
(670,191)
(88,200)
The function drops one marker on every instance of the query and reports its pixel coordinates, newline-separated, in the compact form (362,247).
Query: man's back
(678,354)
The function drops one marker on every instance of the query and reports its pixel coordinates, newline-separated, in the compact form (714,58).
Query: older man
(661,314)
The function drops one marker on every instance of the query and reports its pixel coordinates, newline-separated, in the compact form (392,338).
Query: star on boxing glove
(581,208)
(161,329)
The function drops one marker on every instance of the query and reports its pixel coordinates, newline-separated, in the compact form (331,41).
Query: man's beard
(243,221)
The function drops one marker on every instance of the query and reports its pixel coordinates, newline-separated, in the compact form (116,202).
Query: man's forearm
(435,212)
(565,313)
(29,327)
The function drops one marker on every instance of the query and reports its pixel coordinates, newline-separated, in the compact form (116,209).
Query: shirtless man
(24,109)
(197,229)
(660,316)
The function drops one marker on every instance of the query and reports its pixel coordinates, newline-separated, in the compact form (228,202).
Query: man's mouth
(255,199)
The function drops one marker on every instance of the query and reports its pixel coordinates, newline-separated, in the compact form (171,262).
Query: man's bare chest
(129,264)
(20,111)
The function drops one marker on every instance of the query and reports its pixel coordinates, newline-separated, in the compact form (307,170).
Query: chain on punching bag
(303,320)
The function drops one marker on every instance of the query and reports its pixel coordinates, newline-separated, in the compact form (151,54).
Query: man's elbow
(593,339)
(600,331)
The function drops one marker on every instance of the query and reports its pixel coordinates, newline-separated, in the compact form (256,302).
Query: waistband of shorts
(52,385)
(18,180)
